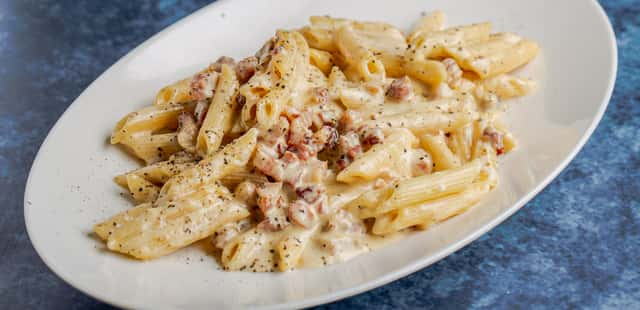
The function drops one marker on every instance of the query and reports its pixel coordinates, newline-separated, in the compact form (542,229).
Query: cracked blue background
(577,244)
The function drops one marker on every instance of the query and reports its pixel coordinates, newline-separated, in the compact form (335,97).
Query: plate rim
(368,285)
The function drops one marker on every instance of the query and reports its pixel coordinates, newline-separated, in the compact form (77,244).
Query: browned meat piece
(399,89)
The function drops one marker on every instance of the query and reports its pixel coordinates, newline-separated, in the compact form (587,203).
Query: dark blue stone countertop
(577,244)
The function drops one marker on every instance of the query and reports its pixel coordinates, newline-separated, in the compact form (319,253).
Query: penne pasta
(326,141)
(218,120)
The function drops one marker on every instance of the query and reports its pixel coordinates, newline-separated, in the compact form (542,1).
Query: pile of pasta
(328,140)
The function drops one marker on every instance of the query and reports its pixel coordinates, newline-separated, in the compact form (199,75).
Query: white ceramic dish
(70,185)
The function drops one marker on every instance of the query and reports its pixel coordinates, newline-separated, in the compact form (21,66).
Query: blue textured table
(577,244)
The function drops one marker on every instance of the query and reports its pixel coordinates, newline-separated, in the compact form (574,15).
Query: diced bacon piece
(302,213)
(422,163)
(246,193)
(320,95)
(399,89)
(495,138)
(264,54)
(349,119)
(246,68)
(200,111)
(203,85)
(266,161)
(350,144)
(187,131)
(299,132)
(223,60)
(310,193)
(269,196)
(370,136)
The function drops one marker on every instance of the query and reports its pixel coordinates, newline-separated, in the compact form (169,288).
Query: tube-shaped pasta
(157,173)
(420,122)
(431,186)
(358,56)
(285,70)
(430,212)
(431,72)
(505,86)
(442,156)
(433,44)
(501,53)
(291,247)
(149,232)
(321,59)
(233,157)
(375,161)
(152,148)
(427,24)
(148,119)
(218,120)
(141,190)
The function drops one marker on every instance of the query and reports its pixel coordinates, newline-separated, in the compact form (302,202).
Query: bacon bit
(246,68)
(348,119)
(269,196)
(299,132)
(371,136)
(326,137)
(246,192)
(241,100)
(200,112)
(203,85)
(423,164)
(301,213)
(350,145)
(310,193)
(187,131)
(399,89)
(320,94)
(495,138)
(223,60)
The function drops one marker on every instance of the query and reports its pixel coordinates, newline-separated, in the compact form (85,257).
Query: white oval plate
(70,185)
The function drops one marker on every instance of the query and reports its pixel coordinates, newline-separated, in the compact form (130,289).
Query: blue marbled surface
(577,244)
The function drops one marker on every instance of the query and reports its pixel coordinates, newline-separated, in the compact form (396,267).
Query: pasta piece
(198,87)
(321,59)
(431,212)
(501,53)
(141,190)
(462,141)
(233,157)
(442,156)
(505,86)
(150,232)
(430,72)
(249,250)
(361,97)
(291,247)
(287,67)
(232,179)
(416,190)
(422,122)
(157,173)
(357,56)
(218,120)
(376,160)
(319,38)
(433,44)
(149,119)
(427,24)
(152,148)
